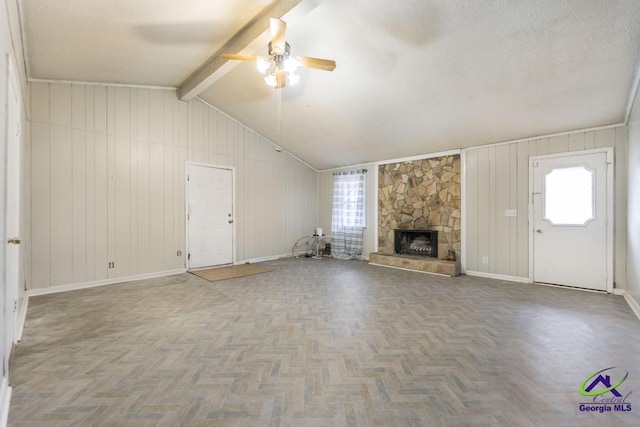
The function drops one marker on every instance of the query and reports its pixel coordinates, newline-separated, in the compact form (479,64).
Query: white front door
(571,211)
(209,216)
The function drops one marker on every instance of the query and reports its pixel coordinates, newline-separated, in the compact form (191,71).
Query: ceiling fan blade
(278,30)
(281,79)
(319,63)
(238,56)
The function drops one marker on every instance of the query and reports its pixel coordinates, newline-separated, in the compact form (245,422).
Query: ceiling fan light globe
(293,79)
(270,80)
(262,64)
(291,64)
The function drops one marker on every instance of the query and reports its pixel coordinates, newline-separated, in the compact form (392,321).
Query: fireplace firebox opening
(416,242)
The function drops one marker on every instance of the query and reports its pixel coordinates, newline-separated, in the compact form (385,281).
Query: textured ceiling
(146,42)
(412,76)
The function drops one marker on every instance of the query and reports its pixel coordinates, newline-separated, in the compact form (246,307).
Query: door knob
(539,231)
(14,240)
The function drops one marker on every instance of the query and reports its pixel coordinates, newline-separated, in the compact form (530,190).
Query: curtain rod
(350,172)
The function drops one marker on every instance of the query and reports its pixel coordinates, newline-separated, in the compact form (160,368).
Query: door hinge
(15,306)
(187,177)
(188,256)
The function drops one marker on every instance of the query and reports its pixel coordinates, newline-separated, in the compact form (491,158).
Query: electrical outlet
(485,260)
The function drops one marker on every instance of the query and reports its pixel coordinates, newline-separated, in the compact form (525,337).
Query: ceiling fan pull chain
(279,98)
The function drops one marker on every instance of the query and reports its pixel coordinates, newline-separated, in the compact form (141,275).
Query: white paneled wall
(633,211)
(497,178)
(108,168)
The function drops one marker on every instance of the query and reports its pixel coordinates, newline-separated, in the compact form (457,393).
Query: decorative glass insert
(568,196)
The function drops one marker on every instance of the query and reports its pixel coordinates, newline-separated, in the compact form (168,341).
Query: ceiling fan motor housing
(277,57)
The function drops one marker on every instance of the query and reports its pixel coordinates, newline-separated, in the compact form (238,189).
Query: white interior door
(209,216)
(12,219)
(571,244)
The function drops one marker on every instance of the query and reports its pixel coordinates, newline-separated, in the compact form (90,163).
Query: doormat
(224,273)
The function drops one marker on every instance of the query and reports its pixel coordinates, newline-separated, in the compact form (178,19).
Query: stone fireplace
(420,195)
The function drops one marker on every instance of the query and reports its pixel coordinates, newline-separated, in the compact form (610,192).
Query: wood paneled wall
(497,178)
(108,182)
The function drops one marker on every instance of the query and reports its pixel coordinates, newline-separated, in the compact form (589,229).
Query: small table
(316,245)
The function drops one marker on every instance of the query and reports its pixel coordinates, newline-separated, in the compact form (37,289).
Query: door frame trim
(609,203)
(234,234)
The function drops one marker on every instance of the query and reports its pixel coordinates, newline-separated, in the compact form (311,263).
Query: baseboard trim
(5,401)
(22,316)
(274,257)
(246,261)
(635,307)
(262,259)
(94,284)
(498,277)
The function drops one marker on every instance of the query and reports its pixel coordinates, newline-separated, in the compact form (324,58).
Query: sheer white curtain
(348,214)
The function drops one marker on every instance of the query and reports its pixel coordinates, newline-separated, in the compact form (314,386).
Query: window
(568,196)
(347,214)
(348,199)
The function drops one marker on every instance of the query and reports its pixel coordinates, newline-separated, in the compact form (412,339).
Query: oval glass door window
(568,196)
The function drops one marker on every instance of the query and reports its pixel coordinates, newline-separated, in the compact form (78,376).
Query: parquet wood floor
(321,343)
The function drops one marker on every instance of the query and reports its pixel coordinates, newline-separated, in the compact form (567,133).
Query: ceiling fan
(279,66)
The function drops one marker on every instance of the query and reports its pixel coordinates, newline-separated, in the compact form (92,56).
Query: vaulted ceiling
(412,77)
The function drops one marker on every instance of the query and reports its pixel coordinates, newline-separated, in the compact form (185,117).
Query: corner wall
(108,182)
(633,204)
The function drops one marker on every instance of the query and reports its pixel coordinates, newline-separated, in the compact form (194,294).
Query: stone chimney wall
(421,194)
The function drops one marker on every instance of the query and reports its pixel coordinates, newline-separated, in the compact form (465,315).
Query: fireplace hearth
(416,242)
